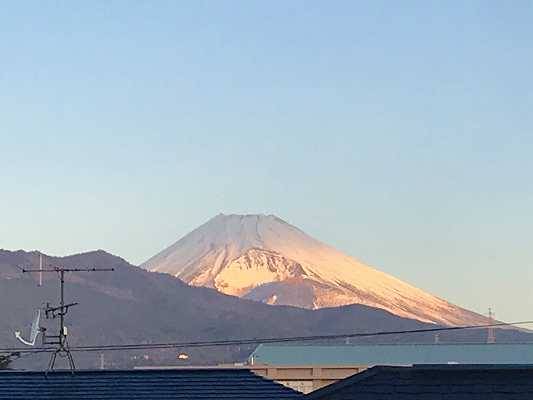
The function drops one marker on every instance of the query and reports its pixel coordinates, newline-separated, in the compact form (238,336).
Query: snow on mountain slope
(266,259)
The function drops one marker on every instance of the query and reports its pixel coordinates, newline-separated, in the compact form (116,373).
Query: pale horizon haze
(399,133)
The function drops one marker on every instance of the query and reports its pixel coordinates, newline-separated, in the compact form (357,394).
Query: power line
(235,342)
(282,339)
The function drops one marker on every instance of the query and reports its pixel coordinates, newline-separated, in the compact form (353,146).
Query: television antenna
(61,339)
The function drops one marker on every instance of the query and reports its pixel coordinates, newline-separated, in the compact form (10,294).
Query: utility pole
(491,333)
(40,270)
(61,339)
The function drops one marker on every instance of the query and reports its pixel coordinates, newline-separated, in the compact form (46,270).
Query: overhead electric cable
(236,342)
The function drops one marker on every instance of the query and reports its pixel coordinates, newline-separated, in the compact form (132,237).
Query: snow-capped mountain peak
(264,258)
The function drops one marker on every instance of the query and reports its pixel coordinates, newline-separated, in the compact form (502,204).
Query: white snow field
(262,257)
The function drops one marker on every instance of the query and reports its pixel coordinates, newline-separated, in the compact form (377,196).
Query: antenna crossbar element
(55,311)
(61,340)
(59,269)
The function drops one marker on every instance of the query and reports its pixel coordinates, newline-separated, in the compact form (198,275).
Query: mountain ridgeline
(132,305)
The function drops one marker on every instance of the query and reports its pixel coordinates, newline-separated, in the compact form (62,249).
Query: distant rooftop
(450,382)
(142,384)
(394,354)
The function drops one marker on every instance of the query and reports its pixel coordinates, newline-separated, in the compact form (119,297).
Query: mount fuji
(263,258)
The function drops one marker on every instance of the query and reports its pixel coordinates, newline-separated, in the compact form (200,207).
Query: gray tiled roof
(394,354)
(217,384)
(438,382)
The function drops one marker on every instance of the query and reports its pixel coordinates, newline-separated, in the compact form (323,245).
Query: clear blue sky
(399,132)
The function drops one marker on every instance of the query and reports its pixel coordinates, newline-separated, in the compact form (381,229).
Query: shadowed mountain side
(132,305)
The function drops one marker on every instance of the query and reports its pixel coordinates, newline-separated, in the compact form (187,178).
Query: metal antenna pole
(61,339)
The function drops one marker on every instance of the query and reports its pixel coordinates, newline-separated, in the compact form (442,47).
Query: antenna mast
(60,340)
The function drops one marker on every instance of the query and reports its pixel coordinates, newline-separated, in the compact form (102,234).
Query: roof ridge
(358,377)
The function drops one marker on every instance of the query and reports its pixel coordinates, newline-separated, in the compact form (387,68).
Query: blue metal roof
(199,384)
(394,354)
(450,382)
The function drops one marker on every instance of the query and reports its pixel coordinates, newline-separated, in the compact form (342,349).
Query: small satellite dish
(34,332)
(182,356)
